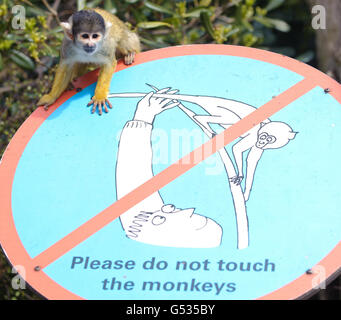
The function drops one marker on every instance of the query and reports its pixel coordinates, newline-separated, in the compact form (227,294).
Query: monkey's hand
(45,101)
(129,58)
(237,180)
(101,104)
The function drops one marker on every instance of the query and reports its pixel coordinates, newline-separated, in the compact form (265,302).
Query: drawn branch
(236,190)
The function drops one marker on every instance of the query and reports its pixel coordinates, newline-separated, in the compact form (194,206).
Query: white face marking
(89,41)
(81,57)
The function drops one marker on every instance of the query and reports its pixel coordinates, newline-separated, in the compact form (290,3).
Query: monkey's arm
(238,149)
(102,88)
(128,46)
(252,161)
(60,83)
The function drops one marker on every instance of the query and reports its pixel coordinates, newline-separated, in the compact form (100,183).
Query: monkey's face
(274,135)
(265,139)
(89,41)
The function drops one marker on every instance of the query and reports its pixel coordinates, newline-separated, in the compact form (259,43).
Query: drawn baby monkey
(225,112)
(267,135)
(92,37)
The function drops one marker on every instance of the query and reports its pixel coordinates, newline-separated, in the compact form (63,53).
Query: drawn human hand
(237,180)
(150,106)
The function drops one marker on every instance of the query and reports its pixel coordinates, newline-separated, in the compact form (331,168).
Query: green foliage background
(28,56)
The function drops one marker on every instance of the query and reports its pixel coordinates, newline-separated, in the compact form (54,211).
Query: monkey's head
(274,135)
(87,29)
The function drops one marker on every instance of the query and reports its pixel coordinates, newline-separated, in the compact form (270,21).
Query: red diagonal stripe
(171,173)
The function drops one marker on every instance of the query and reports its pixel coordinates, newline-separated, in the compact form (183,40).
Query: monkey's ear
(67,27)
(292,135)
(108,25)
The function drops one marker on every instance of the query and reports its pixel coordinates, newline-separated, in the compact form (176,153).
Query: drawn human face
(174,227)
(182,215)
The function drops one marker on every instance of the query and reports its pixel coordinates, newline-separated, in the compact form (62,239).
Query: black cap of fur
(87,21)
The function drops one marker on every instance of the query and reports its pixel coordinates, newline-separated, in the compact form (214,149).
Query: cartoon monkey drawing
(267,135)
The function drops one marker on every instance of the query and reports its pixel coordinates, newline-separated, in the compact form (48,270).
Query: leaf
(153,44)
(92,4)
(131,1)
(247,25)
(205,3)
(232,32)
(22,60)
(54,30)
(274,4)
(263,21)
(153,24)
(35,11)
(195,13)
(273,23)
(109,6)
(157,8)
(205,19)
(280,25)
(15,37)
(48,48)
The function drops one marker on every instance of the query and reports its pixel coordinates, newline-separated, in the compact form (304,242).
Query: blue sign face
(241,224)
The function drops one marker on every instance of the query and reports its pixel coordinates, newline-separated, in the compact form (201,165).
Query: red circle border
(9,237)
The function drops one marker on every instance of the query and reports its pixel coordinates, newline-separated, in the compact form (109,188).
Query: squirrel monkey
(92,37)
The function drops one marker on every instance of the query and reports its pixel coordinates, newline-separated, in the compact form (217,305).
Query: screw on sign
(209,179)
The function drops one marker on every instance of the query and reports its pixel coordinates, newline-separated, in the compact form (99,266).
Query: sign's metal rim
(9,238)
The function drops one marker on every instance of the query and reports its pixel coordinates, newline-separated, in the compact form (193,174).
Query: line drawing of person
(226,112)
(152,221)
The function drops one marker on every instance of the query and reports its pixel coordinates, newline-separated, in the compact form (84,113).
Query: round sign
(215,176)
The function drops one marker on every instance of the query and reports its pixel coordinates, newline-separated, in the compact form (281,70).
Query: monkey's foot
(45,101)
(129,58)
(100,103)
(237,180)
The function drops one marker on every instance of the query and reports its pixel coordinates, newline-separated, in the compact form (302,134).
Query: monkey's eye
(271,139)
(95,36)
(85,36)
(263,136)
